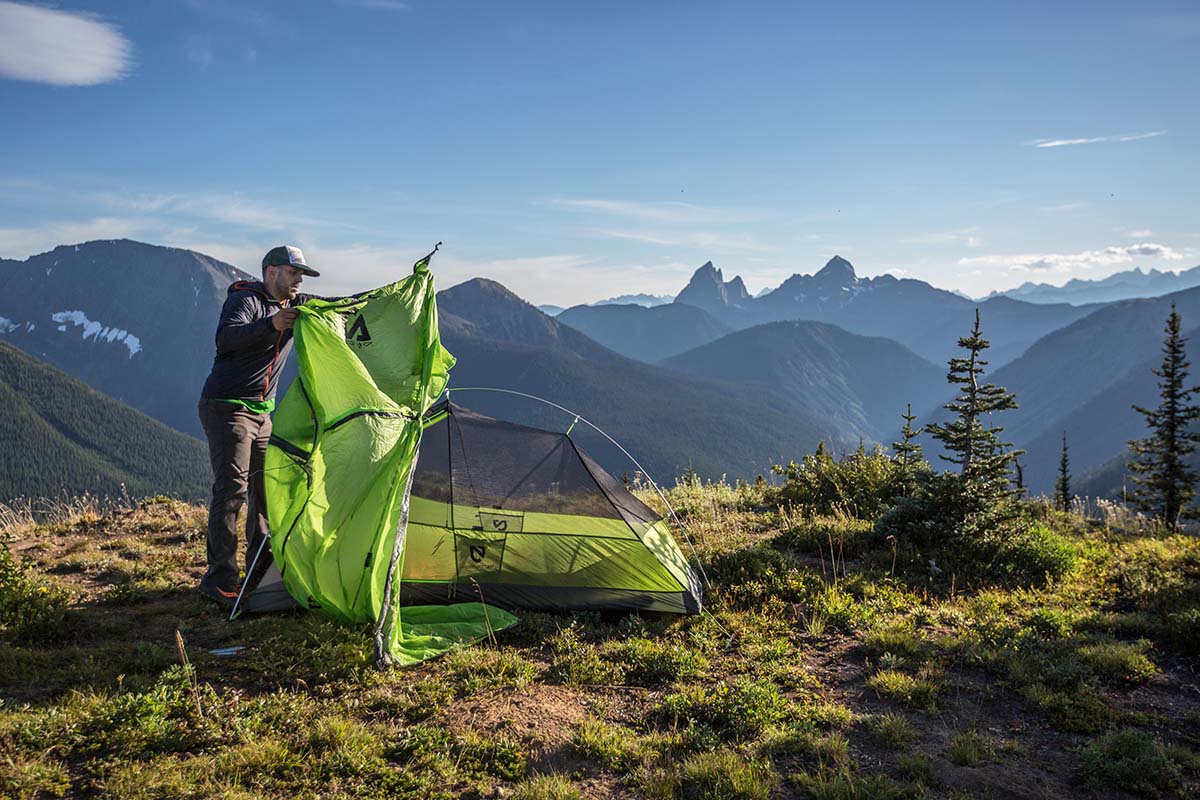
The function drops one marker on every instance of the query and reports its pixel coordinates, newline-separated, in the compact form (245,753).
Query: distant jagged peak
(837,270)
(736,290)
(708,272)
(708,289)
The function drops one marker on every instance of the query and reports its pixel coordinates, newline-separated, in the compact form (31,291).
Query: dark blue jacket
(250,352)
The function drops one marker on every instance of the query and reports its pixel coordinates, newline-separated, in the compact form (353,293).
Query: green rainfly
(346,437)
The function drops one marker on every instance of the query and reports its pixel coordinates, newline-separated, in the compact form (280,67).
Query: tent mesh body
(522,518)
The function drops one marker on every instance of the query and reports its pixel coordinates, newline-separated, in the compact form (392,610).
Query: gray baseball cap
(287,256)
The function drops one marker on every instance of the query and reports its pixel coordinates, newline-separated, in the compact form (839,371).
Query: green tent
(493,514)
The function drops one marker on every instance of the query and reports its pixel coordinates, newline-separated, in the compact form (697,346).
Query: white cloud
(669,211)
(45,45)
(1071,262)
(1120,137)
(1060,208)
(1142,234)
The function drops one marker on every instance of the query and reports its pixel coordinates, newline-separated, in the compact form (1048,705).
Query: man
(254,337)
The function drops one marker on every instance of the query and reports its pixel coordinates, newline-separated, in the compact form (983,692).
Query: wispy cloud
(19,243)
(963,236)
(1120,137)
(1142,234)
(376,5)
(668,211)
(707,240)
(61,48)
(1061,208)
(1070,262)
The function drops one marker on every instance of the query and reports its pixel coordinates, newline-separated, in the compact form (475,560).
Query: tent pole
(262,542)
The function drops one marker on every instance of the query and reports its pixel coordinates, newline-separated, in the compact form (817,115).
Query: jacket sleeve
(241,325)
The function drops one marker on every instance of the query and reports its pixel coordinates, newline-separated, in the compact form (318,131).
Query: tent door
(480,551)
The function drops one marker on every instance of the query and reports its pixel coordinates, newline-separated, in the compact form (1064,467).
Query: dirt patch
(543,718)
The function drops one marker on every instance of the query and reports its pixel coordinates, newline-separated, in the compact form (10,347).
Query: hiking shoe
(223,597)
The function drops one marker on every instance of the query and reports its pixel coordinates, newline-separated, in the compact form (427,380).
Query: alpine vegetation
(1165,479)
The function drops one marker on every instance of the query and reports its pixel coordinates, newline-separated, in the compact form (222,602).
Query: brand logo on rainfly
(357,334)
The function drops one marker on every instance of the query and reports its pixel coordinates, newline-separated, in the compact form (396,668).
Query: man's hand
(284,319)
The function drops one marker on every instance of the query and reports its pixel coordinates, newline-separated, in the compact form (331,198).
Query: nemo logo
(357,333)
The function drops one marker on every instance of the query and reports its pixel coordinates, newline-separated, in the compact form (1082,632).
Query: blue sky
(576,150)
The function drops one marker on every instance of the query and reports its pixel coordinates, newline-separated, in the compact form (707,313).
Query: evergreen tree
(1062,489)
(982,457)
(1165,484)
(908,452)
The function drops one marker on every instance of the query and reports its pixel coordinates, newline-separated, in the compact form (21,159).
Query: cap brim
(312,273)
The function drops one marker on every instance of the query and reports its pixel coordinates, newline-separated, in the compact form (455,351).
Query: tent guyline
(687,536)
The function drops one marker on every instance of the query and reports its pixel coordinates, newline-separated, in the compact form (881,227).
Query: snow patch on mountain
(98,330)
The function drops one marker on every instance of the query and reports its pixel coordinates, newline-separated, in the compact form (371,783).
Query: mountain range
(1128,285)
(925,319)
(134,320)
(717,380)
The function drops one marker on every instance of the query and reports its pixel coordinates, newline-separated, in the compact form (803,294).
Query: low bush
(743,708)
(725,775)
(970,748)
(944,535)
(31,608)
(862,484)
(1131,760)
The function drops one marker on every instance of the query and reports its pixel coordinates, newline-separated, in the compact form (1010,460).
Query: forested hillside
(61,437)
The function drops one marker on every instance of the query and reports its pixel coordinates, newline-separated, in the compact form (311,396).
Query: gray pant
(237,447)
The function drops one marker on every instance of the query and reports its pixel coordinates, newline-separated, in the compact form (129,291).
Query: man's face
(283,283)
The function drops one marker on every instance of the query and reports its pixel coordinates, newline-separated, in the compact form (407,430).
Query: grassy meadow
(834,661)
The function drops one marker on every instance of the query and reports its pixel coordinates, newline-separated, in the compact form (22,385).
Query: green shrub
(842,784)
(546,787)
(1119,662)
(944,533)
(614,747)
(862,484)
(970,748)
(1131,760)
(578,663)
(920,691)
(725,775)
(653,663)
(916,767)
(893,729)
(743,708)
(1048,624)
(844,536)
(750,577)
(31,608)
(898,638)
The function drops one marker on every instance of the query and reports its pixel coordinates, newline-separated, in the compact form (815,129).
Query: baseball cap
(287,256)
